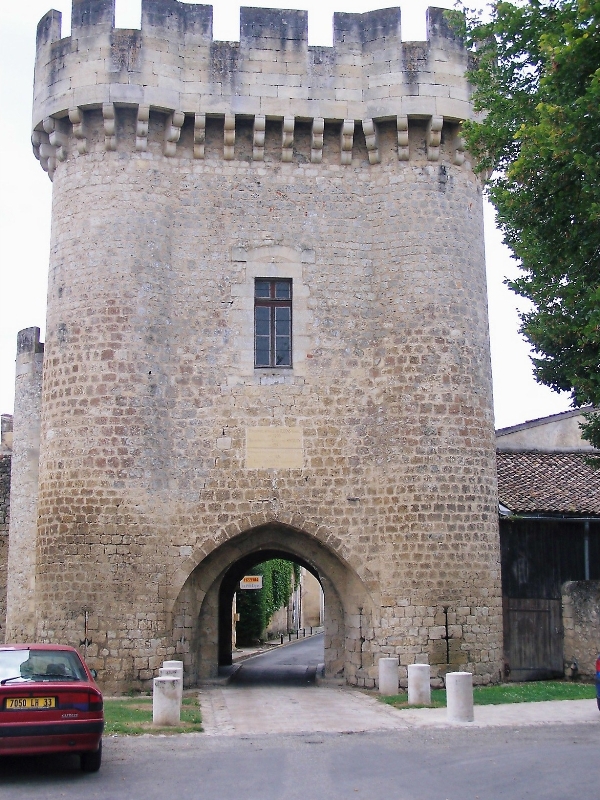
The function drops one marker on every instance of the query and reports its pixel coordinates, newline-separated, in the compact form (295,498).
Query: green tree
(536,77)
(257,606)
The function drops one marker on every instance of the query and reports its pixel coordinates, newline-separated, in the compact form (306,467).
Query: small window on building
(272,323)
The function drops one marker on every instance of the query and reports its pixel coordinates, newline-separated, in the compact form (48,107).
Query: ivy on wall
(257,606)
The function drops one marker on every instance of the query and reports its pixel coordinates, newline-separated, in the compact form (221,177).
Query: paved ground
(293,664)
(544,762)
(253,710)
(270,741)
(272,694)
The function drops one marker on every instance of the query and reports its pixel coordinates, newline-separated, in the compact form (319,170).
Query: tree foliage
(536,78)
(257,606)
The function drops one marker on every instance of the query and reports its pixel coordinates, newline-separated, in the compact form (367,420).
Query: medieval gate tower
(266,336)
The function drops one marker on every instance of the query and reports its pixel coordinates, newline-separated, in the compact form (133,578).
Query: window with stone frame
(272,323)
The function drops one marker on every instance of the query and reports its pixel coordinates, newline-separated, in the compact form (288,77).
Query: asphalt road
(544,762)
(295,664)
(536,762)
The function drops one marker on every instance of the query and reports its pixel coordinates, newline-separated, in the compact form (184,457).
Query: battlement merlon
(173,64)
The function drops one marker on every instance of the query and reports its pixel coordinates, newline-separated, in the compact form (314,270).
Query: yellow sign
(251,582)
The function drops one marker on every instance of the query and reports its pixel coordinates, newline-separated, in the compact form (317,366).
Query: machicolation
(229,96)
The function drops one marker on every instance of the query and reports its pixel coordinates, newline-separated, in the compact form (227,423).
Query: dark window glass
(272,323)
(283,290)
(262,289)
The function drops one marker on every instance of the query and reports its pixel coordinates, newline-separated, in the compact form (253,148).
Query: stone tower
(266,336)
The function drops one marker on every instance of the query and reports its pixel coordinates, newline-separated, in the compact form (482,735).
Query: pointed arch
(199,622)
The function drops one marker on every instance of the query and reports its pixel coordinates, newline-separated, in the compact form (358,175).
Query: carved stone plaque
(274,448)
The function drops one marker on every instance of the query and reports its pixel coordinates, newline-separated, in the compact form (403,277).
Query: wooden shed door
(533,638)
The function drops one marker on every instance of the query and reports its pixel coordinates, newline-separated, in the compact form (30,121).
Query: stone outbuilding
(550,544)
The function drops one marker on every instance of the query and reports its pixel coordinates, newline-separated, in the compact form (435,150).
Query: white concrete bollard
(419,685)
(173,665)
(459,697)
(166,672)
(388,675)
(166,709)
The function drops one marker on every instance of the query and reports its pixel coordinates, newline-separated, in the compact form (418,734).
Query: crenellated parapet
(172,67)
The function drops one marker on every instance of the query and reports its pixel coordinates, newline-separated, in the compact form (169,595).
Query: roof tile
(549,483)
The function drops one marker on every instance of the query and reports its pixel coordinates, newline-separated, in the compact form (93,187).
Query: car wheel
(598,701)
(90,762)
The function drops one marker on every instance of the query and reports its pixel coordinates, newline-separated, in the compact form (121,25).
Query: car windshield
(40,665)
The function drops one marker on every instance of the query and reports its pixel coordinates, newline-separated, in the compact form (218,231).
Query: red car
(49,703)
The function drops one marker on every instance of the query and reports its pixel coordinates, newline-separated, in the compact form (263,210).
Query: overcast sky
(25,194)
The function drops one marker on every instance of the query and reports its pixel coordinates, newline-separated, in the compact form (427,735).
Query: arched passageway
(202,620)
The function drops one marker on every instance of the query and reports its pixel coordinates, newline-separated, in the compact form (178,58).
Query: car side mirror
(94,673)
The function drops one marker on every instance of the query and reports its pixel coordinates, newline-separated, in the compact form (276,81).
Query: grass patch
(530,692)
(133,716)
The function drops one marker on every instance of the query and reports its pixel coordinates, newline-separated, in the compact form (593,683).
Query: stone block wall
(6,441)
(4,521)
(581,623)
(20,584)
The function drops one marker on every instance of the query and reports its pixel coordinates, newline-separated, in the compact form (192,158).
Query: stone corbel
(110,137)
(76,120)
(459,151)
(434,138)
(56,139)
(316,145)
(36,141)
(141,128)
(199,135)
(347,141)
(402,129)
(48,152)
(287,141)
(371,140)
(44,152)
(229,137)
(173,132)
(258,144)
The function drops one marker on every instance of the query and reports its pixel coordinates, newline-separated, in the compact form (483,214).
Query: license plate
(30,703)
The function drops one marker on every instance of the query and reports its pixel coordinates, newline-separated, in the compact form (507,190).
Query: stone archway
(202,611)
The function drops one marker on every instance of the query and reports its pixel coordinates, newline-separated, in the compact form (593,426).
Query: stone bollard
(165,701)
(172,672)
(419,686)
(459,697)
(177,665)
(388,675)
(173,665)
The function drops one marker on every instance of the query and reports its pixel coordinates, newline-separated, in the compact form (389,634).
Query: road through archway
(293,664)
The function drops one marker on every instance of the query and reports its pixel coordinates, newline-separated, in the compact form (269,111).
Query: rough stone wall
(581,623)
(5,459)
(167,205)
(20,586)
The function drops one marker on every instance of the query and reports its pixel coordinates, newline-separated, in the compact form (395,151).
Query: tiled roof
(548,483)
